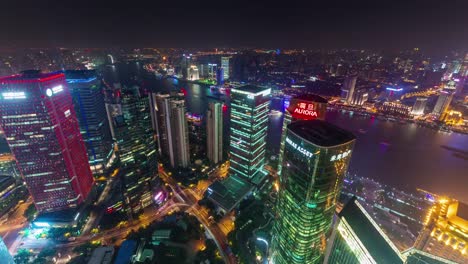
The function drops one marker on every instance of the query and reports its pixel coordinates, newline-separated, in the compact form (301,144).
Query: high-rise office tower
(41,128)
(5,255)
(249,123)
(303,107)
(212,70)
(220,76)
(419,106)
(360,96)
(461,86)
(316,157)
(347,90)
(168,118)
(225,66)
(445,231)
(357,238)
(178,134)
(442,104)
(136,148)
(88,99)
(158,120)
(214,132)
(193,73)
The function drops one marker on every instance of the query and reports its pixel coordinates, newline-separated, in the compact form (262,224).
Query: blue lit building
(220,76)
(126,251)
(5,255)
(88,101)
(393,93)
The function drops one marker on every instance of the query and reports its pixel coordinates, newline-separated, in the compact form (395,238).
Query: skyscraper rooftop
(321,133)
(251,89)
(32,75)
(369,234)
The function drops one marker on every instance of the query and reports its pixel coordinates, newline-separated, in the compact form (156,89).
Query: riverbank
(391,118)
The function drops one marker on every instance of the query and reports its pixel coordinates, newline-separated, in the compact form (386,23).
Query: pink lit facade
(41,128)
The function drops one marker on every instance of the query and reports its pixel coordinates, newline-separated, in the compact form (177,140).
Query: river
(401,155)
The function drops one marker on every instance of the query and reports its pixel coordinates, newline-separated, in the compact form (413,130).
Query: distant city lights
(394,89)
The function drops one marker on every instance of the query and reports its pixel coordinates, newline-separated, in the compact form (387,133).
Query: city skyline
(337,24)
(235,155)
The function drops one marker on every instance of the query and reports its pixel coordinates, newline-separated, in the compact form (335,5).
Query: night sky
(379,24)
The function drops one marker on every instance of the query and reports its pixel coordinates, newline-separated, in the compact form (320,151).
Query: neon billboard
(306,110)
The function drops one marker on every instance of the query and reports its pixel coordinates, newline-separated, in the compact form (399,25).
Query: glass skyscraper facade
(316,157)
(88,99)
(225,66)
(41,128)
(358,239)
(303,107)
(249,124)
(136,148)
(5,256)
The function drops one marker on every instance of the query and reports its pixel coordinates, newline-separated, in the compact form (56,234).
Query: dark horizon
(428,25)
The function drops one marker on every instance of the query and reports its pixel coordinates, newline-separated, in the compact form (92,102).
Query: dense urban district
(222,156)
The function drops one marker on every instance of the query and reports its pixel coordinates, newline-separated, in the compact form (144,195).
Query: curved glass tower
(316,157)
(302,107)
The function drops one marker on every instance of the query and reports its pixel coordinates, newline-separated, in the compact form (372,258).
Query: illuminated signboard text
(340,156)
(299,148)
(14,95)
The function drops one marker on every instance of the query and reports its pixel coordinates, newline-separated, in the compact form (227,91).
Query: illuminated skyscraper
(225,66)
(220,76)
(419,106)
(212,70)
(168,115)
(442,104)
(358,239)
(214,132)
(303,107)
(41,128)
(360,96)
(193,73)
(347,91)
(88,99)
(316,158)
(445,231)
(249,123)
(136,148)
(5,255)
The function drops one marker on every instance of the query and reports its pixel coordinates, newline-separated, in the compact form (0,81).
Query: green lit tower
(249,124)
(316,157)
(302,107)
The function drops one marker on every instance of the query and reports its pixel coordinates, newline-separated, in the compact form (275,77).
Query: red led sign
(306,110)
